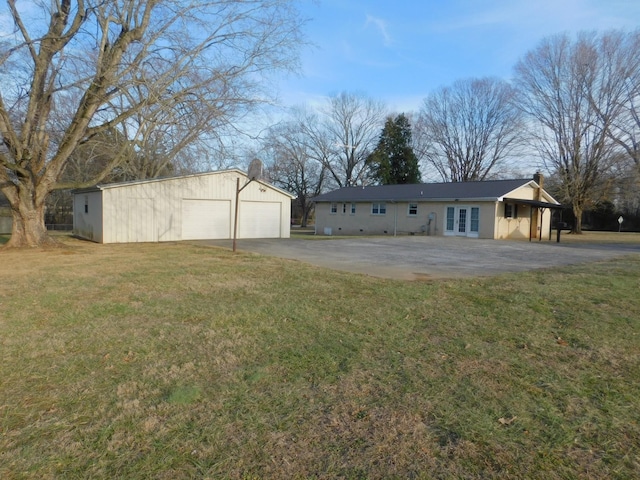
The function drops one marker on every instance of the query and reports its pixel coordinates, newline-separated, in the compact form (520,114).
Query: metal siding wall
(129,213)
(141,220)
(134,208)
(88,225)
(285,216)
(168,211)
(110,215)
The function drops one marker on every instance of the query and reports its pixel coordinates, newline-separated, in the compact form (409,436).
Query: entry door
(462,221)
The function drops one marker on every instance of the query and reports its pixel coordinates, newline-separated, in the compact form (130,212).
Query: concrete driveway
(419,257)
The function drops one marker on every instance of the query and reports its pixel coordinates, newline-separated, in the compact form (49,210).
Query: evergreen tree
(394,161)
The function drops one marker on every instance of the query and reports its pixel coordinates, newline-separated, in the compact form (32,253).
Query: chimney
(536,217)
(539,179)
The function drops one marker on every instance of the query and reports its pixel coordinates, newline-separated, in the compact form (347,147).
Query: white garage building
(191,207)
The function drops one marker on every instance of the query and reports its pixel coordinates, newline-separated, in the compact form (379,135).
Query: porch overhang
(534,203)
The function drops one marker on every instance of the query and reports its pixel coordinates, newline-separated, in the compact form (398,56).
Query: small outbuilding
(496,209)
(191,207)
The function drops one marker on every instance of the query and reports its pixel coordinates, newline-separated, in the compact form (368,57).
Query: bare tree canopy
(291,163)
(344,134)
(466,131)
(576,93)
(148,69)
(625,126)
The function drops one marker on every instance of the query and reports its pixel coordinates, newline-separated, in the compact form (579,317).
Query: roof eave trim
(410,199)
(536,203)
(108,186)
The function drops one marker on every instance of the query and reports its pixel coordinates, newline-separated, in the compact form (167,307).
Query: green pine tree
(394,161)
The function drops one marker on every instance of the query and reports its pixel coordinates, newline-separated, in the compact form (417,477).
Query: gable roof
(491,190)
(106,186)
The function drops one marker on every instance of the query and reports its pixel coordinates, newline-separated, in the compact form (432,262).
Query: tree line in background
(572,108)
(121,90)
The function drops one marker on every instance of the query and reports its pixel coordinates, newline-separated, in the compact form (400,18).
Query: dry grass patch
(174,361)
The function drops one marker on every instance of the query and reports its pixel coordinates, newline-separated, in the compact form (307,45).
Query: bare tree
(342,135)
(622,57)
(625,130)
(86,66)
(574,94)
(292,167)
(92,156)
(466,131)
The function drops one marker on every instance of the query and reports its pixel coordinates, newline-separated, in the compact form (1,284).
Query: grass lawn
(599,237)
(175,361)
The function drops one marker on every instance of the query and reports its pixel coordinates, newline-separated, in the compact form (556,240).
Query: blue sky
(399,51)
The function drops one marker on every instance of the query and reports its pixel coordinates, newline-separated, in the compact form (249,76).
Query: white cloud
(381,25)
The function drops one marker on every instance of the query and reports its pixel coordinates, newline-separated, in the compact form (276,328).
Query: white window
(510,210)
(344,208)
(413,209)
(353,209)
(378,208)
(334,208)
(475,220)
(450,218)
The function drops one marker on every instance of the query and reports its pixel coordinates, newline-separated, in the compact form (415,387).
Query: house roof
(491,190)
(100,187)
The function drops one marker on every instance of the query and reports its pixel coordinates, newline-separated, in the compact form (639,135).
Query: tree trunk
(28,228)
(304,206)
(577,212)
(305,217)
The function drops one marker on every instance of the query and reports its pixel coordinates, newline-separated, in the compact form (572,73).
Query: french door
(462,221)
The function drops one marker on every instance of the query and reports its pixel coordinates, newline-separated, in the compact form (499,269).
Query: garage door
(259,220)
(206,219)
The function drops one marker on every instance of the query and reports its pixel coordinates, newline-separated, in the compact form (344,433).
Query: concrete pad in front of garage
(420,257)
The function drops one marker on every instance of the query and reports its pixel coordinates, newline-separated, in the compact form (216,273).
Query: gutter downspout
(395,220)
